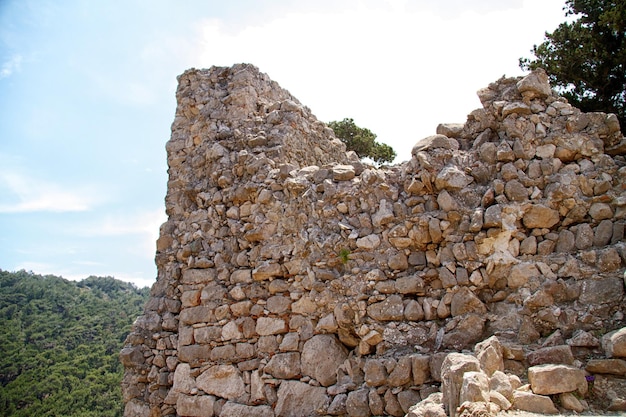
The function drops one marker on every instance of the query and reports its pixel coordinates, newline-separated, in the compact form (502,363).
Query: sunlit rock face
(294,279)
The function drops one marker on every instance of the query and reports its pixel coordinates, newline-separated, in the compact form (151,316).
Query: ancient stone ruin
(295,280)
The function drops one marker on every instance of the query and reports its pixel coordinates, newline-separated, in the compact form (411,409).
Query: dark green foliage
(60,341)
(586,58)
(362,141)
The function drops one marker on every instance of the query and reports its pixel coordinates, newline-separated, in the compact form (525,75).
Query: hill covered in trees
(59,344)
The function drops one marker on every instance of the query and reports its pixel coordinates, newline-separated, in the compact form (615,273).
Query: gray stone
(232,409)
(222,381)
(284,365)
(603,233)
(535,85)
(407,399)
(375,372)
(452,370)
(321,357)
(357,403)
(474,388)
(489,354)
(343,172)
(515,191)
(392,308)
(614,343)
(195,406)
(452,178)
(266,326)
(297,399)
(606,366)
(528,401)
(551,355)
(584,236)
(465,301)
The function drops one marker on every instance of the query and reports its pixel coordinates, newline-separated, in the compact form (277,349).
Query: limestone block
(266,271)
(343,172)
(501,383)
(392,405)
(465,301)
(570,402)
(410,285)
(521,274)
(278,304)
(602,291)
(452,370)
(392,308)
(338,405)
(474,388)
(600,211)
(284,365)
(500,400)
(432,406)
(603,233)
(195,406)
(401,374)
(375,401)
(266,326)
(561,354)
(357,403)
(321,357)
(413,311)
(614,343)
(489,354)
(183,382)
(407,399)
(606,366)
(452,178)
(535,85)
(420,369)
(223,381)
(132,357)
(375,372)
(198,276)
(298,399)
(198,314)
(527,401)
(232,409)
(468,330)
(538,216)
(369,242)
(554,379)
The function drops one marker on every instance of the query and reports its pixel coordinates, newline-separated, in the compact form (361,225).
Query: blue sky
(87,99)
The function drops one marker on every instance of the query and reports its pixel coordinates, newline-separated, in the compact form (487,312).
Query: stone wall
(294,279)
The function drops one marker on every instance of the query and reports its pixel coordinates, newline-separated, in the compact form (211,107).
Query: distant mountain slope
(59,344)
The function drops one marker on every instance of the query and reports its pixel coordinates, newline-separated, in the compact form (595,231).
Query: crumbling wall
(294,279)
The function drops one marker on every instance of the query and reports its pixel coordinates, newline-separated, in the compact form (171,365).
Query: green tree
(586,58)
(60,342)
(362,141)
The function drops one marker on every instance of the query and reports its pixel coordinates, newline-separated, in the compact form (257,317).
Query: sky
(87,98)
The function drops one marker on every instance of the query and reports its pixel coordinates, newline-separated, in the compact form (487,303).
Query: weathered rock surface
(294,278)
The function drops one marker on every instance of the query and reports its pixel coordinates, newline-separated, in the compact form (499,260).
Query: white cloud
(12,65)
(26,194)
(398,70)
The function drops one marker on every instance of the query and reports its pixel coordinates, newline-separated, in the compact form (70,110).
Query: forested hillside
(59,344)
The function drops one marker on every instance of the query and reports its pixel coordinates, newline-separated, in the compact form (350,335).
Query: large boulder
(321,357)
(555,379)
